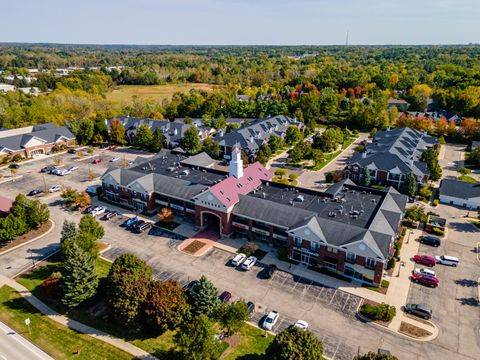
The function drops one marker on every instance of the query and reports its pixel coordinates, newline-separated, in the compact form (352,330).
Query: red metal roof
(227,191)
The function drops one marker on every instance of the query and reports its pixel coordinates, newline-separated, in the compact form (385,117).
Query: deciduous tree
(365,177)
(295,343)
(191,141)
(117,132)
(143,137)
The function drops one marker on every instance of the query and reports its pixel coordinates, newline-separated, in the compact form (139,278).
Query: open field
(55,339)
(124,93)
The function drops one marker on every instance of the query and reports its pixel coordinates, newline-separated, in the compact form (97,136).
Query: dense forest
(346,86)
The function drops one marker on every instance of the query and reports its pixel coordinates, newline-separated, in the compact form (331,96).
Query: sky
(241,22)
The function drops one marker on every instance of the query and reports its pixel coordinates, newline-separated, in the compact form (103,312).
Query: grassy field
(468,179)
(57,340)
(251,344)
(124,93)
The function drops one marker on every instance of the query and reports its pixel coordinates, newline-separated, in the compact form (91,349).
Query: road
(14,347)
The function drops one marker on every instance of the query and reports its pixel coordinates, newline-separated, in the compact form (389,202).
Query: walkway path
(75,325)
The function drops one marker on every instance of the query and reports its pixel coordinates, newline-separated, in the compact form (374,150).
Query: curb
(32,240)
(373,323)
(11,180)
(30,266)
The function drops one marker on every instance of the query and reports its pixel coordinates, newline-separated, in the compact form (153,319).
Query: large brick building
(391,156)
(347,229)
(34,140)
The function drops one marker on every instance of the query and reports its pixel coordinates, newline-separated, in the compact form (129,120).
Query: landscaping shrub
(436,202)
(330,177)
(282,254)
(438,231)
(391,263)
(398,247)
(249,248)
(385,284)
(382,312)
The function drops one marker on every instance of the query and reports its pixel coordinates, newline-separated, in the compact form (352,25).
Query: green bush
(438,231)
(398,247)
(249,248)
(330,177)
(282,254)
(382,312)
(90,150)
(391,263)
(385,284)
(436,202)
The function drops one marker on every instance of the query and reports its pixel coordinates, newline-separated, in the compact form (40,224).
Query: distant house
(254,134)
(173,132)
(460,193)
(391,156)
(34,140)
(400,104)
(5,206)
(433,115)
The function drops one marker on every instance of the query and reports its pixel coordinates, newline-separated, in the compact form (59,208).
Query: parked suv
(430,240)
(269,271)
(424,260)
(419,310)
(425,279)
(447,260)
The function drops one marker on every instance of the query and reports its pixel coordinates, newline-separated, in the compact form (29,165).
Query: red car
(112,147)
(96,161)
(424,279)
(424,260)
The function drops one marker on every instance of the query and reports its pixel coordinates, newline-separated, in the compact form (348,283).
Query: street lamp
(31,257)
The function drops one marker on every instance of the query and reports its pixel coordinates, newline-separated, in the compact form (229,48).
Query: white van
(447,260)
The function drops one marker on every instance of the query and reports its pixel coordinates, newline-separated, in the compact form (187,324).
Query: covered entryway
(36,152)
(211,222)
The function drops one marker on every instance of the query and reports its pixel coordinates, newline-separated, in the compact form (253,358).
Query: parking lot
(455,301)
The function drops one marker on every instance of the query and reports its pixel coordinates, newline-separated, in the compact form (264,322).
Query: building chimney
(364,154)
(236,163)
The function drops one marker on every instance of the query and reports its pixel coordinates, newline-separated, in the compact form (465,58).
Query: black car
(88,209)
(269,271)
(110,214)
(250,307)
(48,169)
(34,192)
(419,310)
(72,151)
(430,240)
(14,166)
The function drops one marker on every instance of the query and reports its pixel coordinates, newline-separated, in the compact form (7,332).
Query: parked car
(425,280)
(424,260)
(269,271)
(248,264)
(98,210)
(88,209)
(301,324)
(239,259)
(72,151)
(64,172)
(112,147)
(447,260)
(191,285)
(109,214)
(47,169)
(424,271)
(72,168)
(250,307)
(430,240)
(130,222)
(270,320)
(225,296)
(14,166)
(139,228)
(419,310)
(55,188)
(34,192)
(96,161)
(115,159)
(56,171)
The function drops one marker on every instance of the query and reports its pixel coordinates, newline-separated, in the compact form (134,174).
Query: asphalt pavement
(13,346)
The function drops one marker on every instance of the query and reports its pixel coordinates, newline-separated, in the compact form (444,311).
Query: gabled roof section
(202,159)
(313,225)
(337,187)
(459,189)
(228,190)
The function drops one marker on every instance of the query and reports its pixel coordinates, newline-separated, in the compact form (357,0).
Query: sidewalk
(75,325)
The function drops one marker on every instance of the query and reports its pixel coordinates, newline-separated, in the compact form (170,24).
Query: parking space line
(320,293)
(346,302)
(335,353)
(334,293)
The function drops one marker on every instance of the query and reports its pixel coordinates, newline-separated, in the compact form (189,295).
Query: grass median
(55,339)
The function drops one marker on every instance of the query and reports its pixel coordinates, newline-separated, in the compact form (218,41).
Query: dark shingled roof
(459,189)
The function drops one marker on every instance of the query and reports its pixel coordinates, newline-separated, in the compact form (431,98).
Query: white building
(460,193)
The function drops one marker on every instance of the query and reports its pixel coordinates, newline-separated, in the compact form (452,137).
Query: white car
(55,188)
(64,172)
(239,259)
(425,271)
(115,159)
(98,210)
(301,324)
(56,171)
(447,260)
(248,264)
(270,320)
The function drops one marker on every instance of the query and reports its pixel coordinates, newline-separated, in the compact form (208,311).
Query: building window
(370,263)
(144,196)
(350,257)
(315,247)
(332,250)
(297,241)
(115,188)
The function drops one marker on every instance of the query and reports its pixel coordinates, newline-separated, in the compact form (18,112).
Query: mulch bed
(413,330)
(32,234)
(168,226)
(194,246)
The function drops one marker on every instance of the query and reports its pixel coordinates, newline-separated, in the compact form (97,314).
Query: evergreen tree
(435,170)
(68,235)
(157,140)
(409,186)
(264,153)
(191,141)
(365,177)
(143,137)
(79,277)
(205,297)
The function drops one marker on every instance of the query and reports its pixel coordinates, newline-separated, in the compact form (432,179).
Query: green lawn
(252,344)
(57,340)
(468,179)
(475,222)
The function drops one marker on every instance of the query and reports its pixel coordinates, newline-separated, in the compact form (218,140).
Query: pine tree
(157,140)
(68,235)
(79,277)
(205,297)
(409,186)
(365,177)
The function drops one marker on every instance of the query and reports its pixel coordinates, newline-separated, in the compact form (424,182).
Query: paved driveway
(452,159)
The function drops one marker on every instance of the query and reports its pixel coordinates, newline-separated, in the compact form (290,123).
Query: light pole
(31,257)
